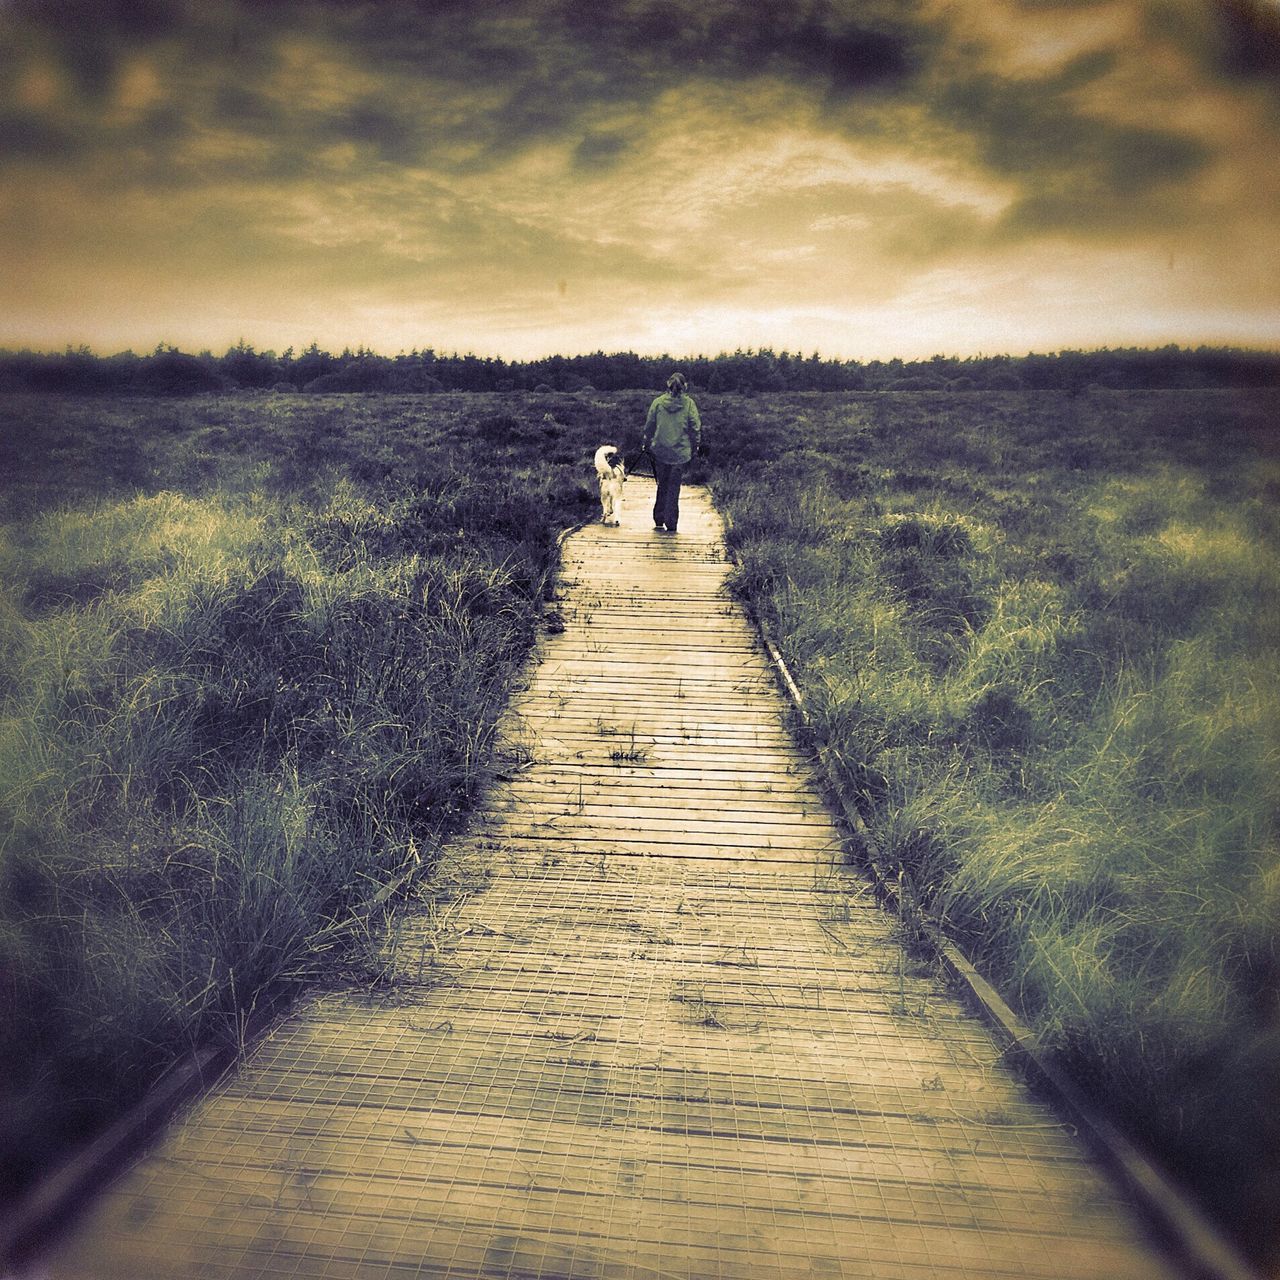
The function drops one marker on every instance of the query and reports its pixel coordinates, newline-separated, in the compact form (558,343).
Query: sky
(863,178)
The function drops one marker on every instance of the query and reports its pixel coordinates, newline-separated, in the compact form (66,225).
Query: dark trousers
(666,507)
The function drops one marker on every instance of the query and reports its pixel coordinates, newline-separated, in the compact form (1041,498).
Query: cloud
(836,239)
(525,71)
(32,136)
(1081,166)
(242,92)
(90,36)
(447,159)
(600,149)
(1236,39)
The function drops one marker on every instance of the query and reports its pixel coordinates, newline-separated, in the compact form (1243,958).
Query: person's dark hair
(677,384)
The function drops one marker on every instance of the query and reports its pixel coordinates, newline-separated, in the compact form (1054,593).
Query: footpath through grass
(1040,635)
(252,653)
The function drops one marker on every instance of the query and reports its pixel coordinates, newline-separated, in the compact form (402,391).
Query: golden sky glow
(862,177)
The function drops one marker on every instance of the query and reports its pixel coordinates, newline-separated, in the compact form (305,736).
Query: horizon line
(360,350)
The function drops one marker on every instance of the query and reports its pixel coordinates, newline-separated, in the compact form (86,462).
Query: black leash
(632,462)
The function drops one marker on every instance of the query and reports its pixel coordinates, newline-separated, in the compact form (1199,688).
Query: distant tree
(1039,372)
(310,365)
(170,372)
(852,377)
(242,366)
(362,373)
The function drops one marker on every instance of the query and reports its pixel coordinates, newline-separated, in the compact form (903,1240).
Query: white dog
(612,473)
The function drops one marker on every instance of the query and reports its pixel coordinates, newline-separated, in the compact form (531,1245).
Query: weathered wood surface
(654,1030)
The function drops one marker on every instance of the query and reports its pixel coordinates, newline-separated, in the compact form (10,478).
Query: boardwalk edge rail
(55,1199)
(1192,1239)
(58,1197)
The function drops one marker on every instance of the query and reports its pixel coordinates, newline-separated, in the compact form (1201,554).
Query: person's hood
(672,401)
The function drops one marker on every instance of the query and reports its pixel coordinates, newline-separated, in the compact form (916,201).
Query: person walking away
(672,434)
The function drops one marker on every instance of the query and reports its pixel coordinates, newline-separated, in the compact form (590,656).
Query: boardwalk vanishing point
(651,1027)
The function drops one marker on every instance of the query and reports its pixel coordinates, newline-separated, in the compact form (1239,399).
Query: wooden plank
(685,753)
(459,1063)
(637,707)
(674,744)
(423,1149)
(277,1212)
(624,797)
(600,811)
(416,1158)
(685,826)
(840,1051)
(657,773)
(754,888)
(729,849)
(869,1044)
(675,722)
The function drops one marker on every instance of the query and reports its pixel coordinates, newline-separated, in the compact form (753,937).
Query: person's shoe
(659,528)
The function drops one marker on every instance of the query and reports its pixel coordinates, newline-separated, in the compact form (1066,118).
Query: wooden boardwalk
(650,1028)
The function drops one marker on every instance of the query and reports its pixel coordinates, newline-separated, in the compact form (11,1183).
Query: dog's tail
(603,453)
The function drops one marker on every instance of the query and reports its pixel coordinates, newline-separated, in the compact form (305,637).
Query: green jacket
(673,430)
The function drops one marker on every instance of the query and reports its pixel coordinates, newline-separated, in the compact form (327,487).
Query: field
(1040,636)
(254,647)
(253,652)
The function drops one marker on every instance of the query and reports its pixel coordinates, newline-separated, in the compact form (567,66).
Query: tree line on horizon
(169,371)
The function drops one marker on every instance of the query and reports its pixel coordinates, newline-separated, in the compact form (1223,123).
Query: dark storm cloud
(243,107)
(656,42)
(1236,39)
(1124,182)
(598,150)
(86,20)
(524,72)
(1085,69)
(1076,168)
(463,87)
(841,47)
(30,135)
(381,127)
(92,34)
(1025,128)
(552,68)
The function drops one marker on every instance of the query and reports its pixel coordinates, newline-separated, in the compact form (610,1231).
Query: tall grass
(1041,637)
(230,718)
